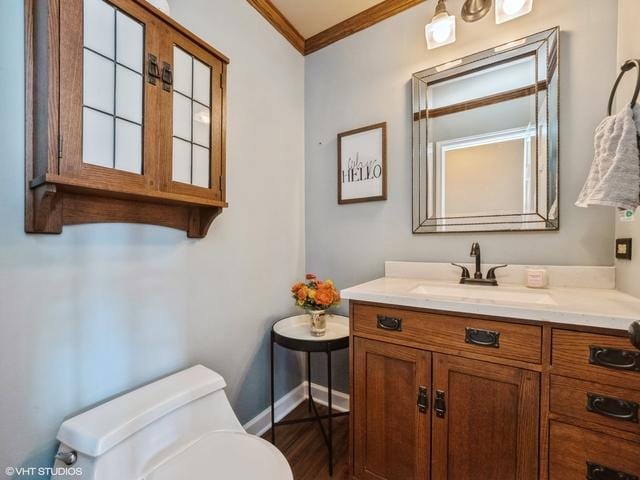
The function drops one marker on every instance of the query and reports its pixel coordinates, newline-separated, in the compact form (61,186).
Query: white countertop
(593,307)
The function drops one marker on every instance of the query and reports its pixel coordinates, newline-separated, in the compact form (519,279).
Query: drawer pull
(484,338)
(612,407)
(423,399)
(614,358)
(599,472)
(389,323)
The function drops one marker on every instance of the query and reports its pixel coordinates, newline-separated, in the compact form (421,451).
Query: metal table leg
(330,400)
(309,378)
(273,393)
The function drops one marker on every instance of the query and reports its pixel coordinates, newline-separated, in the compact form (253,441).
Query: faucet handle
(465,270)
(491,274)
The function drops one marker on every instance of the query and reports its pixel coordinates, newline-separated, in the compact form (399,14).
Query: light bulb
(440,29)
(512,7)
(509,9)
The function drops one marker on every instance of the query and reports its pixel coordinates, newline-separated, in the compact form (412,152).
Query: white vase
(318,322)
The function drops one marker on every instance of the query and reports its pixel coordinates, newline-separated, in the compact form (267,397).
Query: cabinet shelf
(125,118)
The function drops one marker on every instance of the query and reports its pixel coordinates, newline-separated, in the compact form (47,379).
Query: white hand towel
(614,179)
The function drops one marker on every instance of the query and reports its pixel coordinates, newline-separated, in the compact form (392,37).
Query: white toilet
(180,427)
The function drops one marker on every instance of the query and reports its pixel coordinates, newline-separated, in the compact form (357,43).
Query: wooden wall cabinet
(451,397)
(125,118)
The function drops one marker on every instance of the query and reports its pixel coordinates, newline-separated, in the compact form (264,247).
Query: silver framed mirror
(486,140)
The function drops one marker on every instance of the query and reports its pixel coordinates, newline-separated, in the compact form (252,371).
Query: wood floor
(306,451)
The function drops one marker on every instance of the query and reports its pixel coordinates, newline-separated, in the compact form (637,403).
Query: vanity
(452,381)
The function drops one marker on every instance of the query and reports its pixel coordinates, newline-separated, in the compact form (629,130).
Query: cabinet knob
(440,405)
(423,399)
(167,77)
(153,71)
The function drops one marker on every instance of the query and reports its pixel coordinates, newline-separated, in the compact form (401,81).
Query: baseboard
(261,423)
(340,401)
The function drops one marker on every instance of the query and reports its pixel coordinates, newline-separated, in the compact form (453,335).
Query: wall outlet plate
(623,248)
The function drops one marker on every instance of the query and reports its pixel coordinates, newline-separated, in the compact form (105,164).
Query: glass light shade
(509,9)
(441,31)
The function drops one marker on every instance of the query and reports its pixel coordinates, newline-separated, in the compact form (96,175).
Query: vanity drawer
(602,358)
(498,339)
(602,404)
(579,454)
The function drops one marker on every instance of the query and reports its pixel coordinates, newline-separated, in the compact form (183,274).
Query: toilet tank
(131,434)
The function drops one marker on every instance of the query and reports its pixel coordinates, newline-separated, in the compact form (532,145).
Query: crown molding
(360,21)
(356,23)
(275,17)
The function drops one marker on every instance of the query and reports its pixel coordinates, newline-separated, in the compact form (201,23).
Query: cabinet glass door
(191,120)
(104,97)
(112,106)
(194,103)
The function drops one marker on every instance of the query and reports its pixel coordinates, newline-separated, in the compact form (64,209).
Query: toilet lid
(226,456)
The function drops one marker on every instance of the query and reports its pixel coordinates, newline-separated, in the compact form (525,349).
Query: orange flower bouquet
(316,296)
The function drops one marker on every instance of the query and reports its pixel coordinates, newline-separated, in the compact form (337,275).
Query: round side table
(294,333)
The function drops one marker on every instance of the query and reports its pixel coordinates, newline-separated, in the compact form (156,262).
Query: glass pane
(99,27)
(200,166)
(98,82)
(182,69)
(97,138)
(130,42)
(128,146)
(201,124)
(181,116)
(128,94)
(181,169)
(201,82)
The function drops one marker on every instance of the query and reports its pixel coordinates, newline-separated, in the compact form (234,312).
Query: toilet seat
(225,456)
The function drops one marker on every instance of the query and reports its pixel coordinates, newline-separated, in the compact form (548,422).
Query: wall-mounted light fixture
(509,9)
(442,29)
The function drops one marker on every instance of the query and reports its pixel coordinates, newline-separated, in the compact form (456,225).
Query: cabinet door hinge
(221,81)
(221,180)
(60,144)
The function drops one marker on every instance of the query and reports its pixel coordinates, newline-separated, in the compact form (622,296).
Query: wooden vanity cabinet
(484,420)
(125,118)
(392,421)
(421,409)
(446,396)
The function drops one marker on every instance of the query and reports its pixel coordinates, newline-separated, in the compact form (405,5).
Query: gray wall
(101,309)
(364,79)
(628,272)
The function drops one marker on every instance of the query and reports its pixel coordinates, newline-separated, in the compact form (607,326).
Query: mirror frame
(549,41)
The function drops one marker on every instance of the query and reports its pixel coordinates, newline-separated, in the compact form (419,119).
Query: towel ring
(628,65)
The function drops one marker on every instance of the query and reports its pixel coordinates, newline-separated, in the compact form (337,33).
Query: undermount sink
(493,294)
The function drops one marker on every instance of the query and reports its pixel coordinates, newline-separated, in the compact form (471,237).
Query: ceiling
(314,16)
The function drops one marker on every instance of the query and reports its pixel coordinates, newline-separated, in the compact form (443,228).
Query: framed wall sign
(362,164)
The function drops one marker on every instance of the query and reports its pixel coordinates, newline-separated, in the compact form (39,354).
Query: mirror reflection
(485,140)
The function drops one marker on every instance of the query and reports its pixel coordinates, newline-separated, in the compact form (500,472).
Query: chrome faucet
(477,276)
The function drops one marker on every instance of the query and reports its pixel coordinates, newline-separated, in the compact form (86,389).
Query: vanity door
(192,111)
(484,420)
(107,108)
(390,411)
